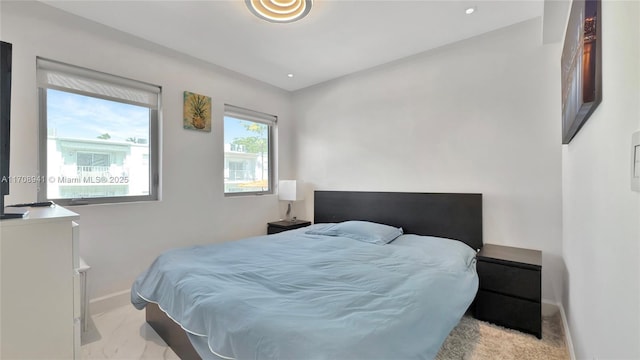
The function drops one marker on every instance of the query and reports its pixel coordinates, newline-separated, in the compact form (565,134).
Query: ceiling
(338,37)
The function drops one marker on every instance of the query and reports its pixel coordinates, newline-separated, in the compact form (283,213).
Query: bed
(378,275)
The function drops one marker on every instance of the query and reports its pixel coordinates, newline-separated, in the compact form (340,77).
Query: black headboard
(454,216)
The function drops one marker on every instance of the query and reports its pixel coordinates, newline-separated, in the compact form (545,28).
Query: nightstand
(510,288)
(284,225)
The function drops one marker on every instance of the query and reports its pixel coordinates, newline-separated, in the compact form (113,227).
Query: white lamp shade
(290,190)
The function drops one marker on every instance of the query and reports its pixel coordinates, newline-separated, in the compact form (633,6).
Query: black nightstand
(284,225)
(510,288)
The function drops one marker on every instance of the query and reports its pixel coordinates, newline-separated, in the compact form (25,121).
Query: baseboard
(109,302)
(565,324)
(567,333)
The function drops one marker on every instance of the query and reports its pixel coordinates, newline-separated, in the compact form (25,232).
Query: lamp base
(288,214)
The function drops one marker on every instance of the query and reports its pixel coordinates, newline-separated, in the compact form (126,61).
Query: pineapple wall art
(197,112)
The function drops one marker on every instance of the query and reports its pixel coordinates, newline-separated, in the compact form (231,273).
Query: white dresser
(39,285)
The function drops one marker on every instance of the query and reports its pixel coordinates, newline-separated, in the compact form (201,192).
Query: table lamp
(290,190)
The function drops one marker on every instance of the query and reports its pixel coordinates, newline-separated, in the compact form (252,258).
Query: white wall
(481,115)
(601,213)
(120,241)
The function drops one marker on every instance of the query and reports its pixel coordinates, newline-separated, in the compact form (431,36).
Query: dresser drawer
(510,280)
(508,311)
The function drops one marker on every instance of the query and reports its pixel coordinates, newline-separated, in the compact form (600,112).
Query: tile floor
(123,334)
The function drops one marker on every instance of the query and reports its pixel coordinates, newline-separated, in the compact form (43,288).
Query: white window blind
(246,114)
(60,76)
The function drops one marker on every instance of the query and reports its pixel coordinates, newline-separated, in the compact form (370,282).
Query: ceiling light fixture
(470,10)
(290,75)
(279,11)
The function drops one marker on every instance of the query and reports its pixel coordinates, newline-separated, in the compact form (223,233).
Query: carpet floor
(477,340)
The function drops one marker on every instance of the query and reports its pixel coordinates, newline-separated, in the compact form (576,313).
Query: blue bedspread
(299,296)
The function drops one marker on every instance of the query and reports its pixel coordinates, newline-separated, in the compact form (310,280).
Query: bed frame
(449,215)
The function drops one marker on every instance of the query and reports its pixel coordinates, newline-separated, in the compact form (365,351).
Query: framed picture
(196,112)
(581,64)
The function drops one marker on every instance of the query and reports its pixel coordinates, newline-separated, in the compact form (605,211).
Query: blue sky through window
(85,117)
(234,129)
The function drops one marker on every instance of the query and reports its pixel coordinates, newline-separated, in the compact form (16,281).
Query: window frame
(257,117)
(154,134)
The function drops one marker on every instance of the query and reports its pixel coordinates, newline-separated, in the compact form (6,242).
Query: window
(98,136)
(248,151)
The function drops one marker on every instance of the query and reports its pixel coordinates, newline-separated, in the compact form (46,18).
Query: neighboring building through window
(248,151)
(99,136)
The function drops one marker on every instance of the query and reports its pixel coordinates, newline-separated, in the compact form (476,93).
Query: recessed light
(470,10)
(290,75)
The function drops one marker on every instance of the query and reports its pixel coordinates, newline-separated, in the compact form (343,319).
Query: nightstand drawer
(510,312)
(509,280)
